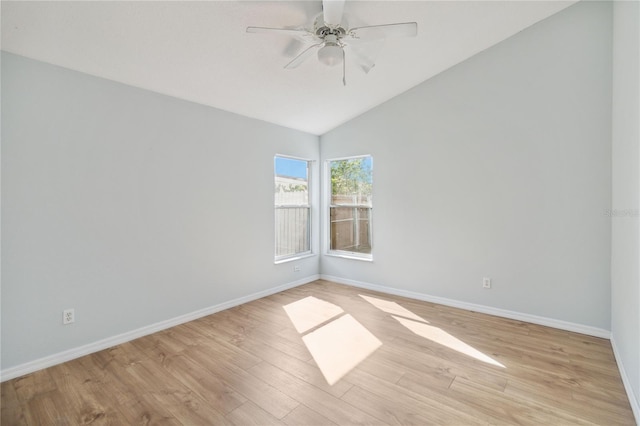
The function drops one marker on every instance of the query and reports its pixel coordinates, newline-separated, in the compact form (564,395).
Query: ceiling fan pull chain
(344,69)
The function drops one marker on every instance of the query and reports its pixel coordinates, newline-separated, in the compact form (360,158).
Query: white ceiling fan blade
(303,56)
(363,60)
(364,52)
(377,32)
(332,10)
(300,34)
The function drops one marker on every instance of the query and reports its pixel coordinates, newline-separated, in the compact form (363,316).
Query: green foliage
(351,177)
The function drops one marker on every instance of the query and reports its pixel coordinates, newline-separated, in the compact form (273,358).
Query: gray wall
(130,207)
(625,256)
(498,167)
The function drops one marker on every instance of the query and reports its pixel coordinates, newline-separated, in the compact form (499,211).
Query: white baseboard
(68,355)
(633,400)
(549,322)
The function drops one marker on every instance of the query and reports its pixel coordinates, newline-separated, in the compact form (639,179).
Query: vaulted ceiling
(199,51)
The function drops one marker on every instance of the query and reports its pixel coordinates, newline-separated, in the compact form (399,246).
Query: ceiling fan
(331,36)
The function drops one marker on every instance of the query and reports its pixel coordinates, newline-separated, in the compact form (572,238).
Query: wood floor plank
(401,400)
(414,359)
(43,409)
(144,409)
(605,408)
(121,355)
(326,405)
(249,365)
(294,348)
(262,393)
(77,401)
(384,367)
(225,351)
(31,385)
(415,383)
(303,415)
(563,399)
(183,404)
(307,371)
(509,409)
(108,380)
(249,414)
(208,386)
(392,412)
(226,324)
(11,411)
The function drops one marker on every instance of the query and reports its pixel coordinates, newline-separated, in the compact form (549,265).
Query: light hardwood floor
(249,366)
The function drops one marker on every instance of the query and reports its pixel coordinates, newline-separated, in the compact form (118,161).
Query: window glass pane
(292,231)
(292,183)
(292,209)
(351,204)
(350,229)
(351,181)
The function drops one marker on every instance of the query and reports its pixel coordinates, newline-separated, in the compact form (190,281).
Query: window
(292,208)
(350,206)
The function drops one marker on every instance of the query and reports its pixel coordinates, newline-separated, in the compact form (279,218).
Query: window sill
(352,256)
(293,258)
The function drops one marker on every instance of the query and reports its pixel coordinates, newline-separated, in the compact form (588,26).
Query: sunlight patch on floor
(441,337)
(337,346)
(392,308)
(420,327)
(310,312)
(340,346)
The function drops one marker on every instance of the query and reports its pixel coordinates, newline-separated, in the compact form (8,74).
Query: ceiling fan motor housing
(321,29)
(325,31)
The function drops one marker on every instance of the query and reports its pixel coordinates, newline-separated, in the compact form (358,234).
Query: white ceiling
(199,51)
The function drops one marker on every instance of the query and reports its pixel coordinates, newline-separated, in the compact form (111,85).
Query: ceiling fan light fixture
(330,54)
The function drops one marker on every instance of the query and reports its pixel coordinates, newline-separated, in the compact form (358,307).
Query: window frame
(328,198)
(308,206)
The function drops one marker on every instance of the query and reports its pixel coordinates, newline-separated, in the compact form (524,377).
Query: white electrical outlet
(68,316)
(296,268)
(486,282)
